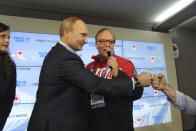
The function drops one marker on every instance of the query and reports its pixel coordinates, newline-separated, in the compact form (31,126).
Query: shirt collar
(67,47)
(97,58)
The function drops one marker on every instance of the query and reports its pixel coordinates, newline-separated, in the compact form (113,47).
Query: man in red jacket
(113,113)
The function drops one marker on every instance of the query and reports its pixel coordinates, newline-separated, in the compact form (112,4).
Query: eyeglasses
(103,41)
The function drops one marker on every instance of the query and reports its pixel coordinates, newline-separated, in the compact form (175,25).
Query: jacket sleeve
(12,84)
(185,103)
(8,87)
(137,93)
(129,70)
(73,72)
(3,86)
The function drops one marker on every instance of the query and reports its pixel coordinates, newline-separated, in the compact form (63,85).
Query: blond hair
(68,23)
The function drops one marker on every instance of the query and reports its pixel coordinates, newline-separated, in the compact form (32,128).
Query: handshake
(146,79)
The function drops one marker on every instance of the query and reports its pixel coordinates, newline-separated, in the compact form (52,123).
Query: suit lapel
(58,45)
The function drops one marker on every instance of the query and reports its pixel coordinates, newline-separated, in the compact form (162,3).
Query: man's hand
(159,82)
(145,78)
(113,63)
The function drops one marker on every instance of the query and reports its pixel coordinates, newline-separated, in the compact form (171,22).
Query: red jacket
(125,65)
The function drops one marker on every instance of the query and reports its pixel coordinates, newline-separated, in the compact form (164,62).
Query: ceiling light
(177,7)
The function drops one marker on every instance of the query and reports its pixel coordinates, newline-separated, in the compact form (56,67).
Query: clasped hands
(146,79)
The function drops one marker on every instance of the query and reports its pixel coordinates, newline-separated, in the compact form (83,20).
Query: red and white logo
(17,99)
(133,47)
(20,54)
(156,92)
(138,120)
(152,59)
(176,50)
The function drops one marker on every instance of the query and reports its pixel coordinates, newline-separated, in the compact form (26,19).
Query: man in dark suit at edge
(64,83)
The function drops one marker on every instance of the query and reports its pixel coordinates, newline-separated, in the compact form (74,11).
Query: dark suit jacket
(116,115)
(7,95)
(62,96)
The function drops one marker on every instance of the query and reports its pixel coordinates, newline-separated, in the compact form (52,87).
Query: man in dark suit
(64,84)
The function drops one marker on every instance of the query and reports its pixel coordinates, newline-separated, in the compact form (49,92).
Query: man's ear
(66,31)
